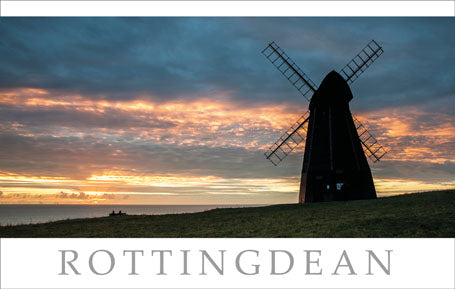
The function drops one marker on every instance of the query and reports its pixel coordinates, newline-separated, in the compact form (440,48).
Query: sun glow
(388,187)
(114,187)
(157,181)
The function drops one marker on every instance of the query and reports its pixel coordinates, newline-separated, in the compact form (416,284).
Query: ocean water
(31,214)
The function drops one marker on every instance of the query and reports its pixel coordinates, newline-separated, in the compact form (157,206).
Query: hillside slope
(430,214)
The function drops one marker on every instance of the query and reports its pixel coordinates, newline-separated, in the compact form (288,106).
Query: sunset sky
(181,110)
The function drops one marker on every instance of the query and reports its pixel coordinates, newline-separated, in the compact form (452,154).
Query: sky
(181,110)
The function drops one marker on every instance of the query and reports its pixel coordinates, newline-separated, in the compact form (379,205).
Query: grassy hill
(430,214)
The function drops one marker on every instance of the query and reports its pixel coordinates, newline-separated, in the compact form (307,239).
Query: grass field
(430,214)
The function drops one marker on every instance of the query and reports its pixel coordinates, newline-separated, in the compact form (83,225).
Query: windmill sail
(361,62)
(289,69)
(373,150)
(291,138)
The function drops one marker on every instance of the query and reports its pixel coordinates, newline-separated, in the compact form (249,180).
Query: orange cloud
(209,121)
(408,133)
(412,134)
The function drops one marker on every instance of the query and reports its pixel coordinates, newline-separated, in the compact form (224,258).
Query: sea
(32,214)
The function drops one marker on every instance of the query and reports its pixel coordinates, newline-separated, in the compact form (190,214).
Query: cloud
(413,134)
(108,196)
(62,195)
(207,137)
(77,196)
(31,197)
(122,58)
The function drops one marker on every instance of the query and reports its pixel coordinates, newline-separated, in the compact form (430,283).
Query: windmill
(337,145)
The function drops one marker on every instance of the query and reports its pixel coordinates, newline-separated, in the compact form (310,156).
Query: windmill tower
(337,145)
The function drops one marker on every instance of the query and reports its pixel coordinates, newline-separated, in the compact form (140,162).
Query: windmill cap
(333,89)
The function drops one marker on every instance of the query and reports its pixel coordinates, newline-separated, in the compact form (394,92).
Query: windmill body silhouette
(337,145)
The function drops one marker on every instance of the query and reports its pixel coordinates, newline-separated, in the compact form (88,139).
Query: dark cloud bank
(123,58)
